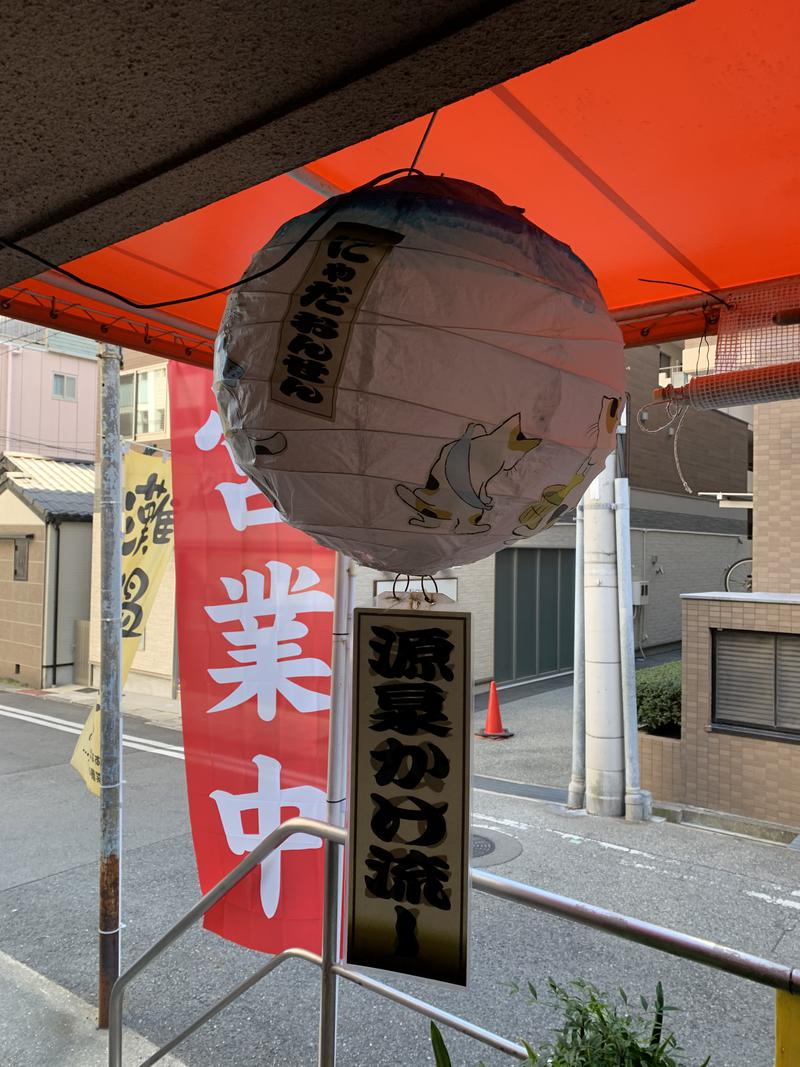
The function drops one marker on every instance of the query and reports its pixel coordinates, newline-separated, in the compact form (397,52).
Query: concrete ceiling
(121,115)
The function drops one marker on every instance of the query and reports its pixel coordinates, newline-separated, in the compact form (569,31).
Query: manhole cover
(481,846)
(491,848)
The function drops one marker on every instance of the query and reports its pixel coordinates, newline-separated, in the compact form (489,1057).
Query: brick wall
(751,776)
(661,767)
(21,611)
(776,498)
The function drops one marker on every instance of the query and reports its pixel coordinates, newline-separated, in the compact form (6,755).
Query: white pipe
(605,774)
(577,783)
(637,802)
(339,730)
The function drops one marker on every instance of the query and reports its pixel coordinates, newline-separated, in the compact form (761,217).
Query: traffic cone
(494,729)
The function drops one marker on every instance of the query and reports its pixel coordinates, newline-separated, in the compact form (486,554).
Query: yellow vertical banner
(787,1029)
(147,542)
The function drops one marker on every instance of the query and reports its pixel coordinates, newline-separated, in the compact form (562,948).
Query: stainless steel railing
(754,968)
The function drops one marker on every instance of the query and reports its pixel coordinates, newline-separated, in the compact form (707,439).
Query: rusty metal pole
(110,678)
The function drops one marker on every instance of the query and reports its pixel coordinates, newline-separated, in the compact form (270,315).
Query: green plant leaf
(533,1056)
(440,1053)
(532,991)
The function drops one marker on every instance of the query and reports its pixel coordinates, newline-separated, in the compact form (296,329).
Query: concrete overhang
(118,117)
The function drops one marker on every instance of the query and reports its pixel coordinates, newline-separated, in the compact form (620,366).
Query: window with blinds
(757,680)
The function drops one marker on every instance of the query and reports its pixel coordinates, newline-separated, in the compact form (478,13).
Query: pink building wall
(32,419)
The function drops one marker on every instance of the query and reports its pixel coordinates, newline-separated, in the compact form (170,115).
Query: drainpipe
(637,801)
(577,782)
(57,528)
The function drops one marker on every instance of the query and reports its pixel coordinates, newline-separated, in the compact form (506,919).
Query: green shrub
(596,1033)
(658,699)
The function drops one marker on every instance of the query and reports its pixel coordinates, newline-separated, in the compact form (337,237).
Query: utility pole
(110,678)
(605,773)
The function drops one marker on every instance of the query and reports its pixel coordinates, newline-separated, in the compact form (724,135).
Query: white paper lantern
(428,378)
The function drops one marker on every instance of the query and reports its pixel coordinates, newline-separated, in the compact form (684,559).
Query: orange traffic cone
(494,729)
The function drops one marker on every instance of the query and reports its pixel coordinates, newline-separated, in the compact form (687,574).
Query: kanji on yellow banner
(147,542)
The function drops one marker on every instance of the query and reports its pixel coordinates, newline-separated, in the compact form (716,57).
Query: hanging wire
(421,144)
(671,409)
(684,483)
(333,206)
(683,285)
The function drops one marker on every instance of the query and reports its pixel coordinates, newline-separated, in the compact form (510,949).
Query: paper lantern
(428,378)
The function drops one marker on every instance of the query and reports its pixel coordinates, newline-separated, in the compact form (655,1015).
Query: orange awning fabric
(669,151)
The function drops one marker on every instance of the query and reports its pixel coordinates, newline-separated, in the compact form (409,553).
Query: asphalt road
(739,892)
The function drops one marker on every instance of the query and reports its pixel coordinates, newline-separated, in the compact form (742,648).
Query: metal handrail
(709,953)
(292,826)
(741,964)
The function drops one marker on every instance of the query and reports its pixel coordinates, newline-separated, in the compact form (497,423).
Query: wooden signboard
(409,815)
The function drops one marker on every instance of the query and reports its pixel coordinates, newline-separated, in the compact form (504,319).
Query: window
(757,681)
(21,548)
(143,403)
(151,401)
(127,403)
(64,386)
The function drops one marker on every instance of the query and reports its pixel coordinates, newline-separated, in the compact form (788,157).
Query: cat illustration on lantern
(457,490)
(550,506)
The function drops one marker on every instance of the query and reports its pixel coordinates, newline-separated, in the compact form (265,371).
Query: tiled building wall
(661,767)
(21,611)
(475,594)
(751,776)
(776,497)
(713,446)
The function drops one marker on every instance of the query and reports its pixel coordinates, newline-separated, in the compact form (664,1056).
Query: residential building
(522,599)
(45,567)
(738,750)
(48,391)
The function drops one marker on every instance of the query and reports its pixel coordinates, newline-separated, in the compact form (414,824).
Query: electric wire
(421,144)
(333,205)
(683,285)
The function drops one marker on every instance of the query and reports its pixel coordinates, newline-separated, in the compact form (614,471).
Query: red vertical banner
(255,617)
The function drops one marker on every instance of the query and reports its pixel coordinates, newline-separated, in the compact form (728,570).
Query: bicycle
(739,577)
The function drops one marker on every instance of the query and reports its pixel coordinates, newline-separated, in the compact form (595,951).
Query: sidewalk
(160,711)
(43,1023)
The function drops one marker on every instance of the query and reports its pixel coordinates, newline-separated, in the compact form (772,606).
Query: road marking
(795,904)
(52,722)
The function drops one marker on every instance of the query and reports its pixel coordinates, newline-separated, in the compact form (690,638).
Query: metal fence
(784,979)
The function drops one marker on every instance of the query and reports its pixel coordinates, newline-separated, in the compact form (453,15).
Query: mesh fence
(747,335)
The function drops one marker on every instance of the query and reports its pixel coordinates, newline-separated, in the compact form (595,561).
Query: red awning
(669,151)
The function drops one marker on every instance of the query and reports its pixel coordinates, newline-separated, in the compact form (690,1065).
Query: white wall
(74,585)
(475,594)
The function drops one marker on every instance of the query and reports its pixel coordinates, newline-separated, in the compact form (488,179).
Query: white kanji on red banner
(267,802)
(268,657)
(235,494)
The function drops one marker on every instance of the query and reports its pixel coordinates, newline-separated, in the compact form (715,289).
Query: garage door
(534,612)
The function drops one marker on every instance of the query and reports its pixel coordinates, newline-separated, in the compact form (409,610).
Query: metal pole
(605,774)
(637,801)
(337,794)
(110,674)
(577,783)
